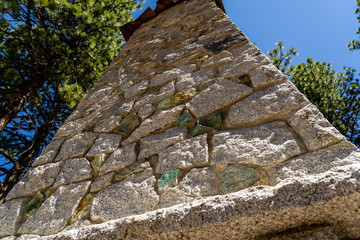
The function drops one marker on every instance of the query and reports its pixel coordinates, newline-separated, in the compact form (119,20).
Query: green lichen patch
(123,87)
(83,211)
(168,179)
(134,168)
(178,99)
(207,124)
(98,162)
(128,125)
(237,177)
(35,203)
(184,118)
(214,121)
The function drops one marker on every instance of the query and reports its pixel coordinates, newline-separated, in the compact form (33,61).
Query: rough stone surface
(157,121)
(320,234)
(36,179)
(199,182)
(265,144)
(314,129)
(194,79)
(77,146)
(10,216)
(265,76)
(172,197)
(118,109)
(171,75)
(74,170)
(187,153)
(105,143)
(267,104)
(317,162)
(146,111)
(217,96)
(102,182)
(246,59)
(239,215)
(156,143)
(133,196)
(55,212)
(137,89)
(167,91)
(49,153)
(108,124)
(119,159)
(222,58)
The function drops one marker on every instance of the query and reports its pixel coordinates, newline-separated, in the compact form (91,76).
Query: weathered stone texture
(172,197)
(271,103)
(222,58)
(133,196)
(36,179)
(319,161)
(314,129)
(171,75)
(137,89)
(119,159)
(108,124)
(105,143)
(146,111)
(318,233)
(188,153)
(156,122)
(217,96)
(56,211)
(49,153)
(265,76)
(194,79)
(74,170)
(77,146)
(156,143)
(10,216)
(265,144)
(200,182)
(102,182)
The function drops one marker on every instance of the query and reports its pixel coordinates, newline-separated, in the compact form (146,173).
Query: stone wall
(190,133)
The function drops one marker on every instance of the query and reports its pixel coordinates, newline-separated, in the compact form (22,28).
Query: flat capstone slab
(56,211)
(187,153)
(122,157)
(105,143)
(154,144)
(344,153)
(217,96)
(74,170)
(36,179)
(199,182)
(77,146)
(132,196)
(262,145)
(270,103)
(10,216)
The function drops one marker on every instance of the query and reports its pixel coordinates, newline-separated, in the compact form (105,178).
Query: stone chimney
(191,133)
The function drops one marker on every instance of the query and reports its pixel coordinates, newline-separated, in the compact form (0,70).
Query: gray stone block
(188,153)
(105,143)
(49,153)
(219,95)
(74,170)
(272,103)
(132,196)
(119,159)
(262,145)
(10,216)
(200,182)
(154,144)
(56,211)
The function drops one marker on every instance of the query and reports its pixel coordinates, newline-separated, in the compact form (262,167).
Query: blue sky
(319,29)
